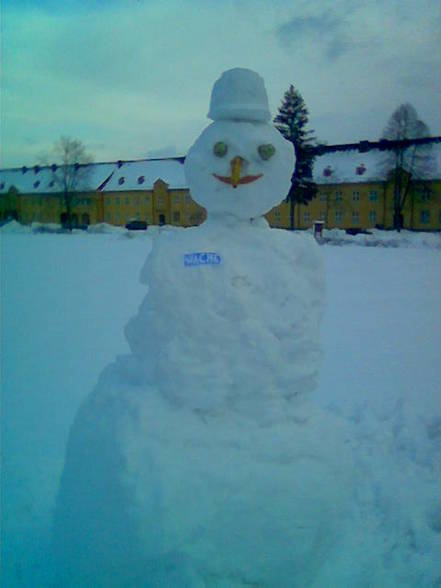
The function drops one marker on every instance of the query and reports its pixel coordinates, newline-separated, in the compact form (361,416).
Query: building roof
(354,167)
(39,179)
(121,176)
(141,175)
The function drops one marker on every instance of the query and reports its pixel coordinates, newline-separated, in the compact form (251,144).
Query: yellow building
(353,193)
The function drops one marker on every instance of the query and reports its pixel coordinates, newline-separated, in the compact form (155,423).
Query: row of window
(338,196)
(424,195)
(176,199)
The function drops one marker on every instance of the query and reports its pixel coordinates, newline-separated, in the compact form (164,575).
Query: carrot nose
(236,168)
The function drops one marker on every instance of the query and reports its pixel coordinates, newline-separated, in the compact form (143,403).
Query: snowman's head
(240,165)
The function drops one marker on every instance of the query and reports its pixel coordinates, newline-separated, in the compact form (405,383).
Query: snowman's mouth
(234,183)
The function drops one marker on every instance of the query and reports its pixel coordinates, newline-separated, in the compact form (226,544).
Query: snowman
(200,459)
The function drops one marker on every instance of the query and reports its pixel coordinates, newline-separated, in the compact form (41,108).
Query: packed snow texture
(211,418)
(65,301)
(241,139)
(239,94)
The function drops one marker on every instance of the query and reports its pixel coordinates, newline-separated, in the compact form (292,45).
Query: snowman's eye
(266,151)
(220,149)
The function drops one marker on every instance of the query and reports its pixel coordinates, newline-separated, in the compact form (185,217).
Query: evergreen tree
(291,122)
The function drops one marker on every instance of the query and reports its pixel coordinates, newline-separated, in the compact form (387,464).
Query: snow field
(65,302)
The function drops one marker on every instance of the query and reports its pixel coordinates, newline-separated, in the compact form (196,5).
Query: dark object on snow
(357,231)
(136,225)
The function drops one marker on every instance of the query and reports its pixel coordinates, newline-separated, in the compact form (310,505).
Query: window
(372,217)
(355,196)
(373,196)
(137,216)
(147,198)
(108,201)
(127,200)
(160,201)
(137,200)
(117,200)
(338,216)
(176,217)
(108,217)
(141,179)
(322,215)
(323,197)
(121,181)
(176,199)
(306,217)
(187,199)
(117,216)
(338,196)
(355,217)
(425,217)
(425,195)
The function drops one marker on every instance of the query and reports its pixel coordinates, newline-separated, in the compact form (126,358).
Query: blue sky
(132,78)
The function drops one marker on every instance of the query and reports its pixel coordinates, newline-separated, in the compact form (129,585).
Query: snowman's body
(228,475)
(238,307)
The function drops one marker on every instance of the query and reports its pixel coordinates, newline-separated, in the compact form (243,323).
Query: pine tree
(291,122)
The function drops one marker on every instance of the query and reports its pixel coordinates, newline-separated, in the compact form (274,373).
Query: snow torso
(244,327)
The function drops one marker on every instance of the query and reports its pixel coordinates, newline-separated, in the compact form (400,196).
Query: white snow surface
(141,175)
(64,307)
(39,179)
(224,353)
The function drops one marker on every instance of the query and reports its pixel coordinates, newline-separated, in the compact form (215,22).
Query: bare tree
(70,173)
(406,164)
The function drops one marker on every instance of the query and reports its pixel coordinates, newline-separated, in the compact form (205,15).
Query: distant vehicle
(357,231)
(136,225)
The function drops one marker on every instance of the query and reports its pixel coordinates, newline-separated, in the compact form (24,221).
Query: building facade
(353,193)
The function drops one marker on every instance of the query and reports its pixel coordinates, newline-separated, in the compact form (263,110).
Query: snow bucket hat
(239,94)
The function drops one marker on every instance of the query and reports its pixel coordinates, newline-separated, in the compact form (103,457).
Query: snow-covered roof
(106,177)
(353,167)
(347,167)
(39,180)
(331,168)
(141,175)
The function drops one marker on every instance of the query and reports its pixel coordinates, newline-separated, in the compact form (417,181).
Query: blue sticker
(202,258)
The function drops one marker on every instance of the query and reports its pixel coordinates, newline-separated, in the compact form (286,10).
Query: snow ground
(65,300)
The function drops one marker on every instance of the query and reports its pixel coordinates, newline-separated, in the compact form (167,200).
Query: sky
(132,78)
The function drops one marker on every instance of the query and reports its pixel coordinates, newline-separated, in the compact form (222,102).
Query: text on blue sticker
(202,258)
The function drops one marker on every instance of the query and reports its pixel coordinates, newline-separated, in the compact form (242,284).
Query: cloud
(169,151)
(327,30)
(130,78)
